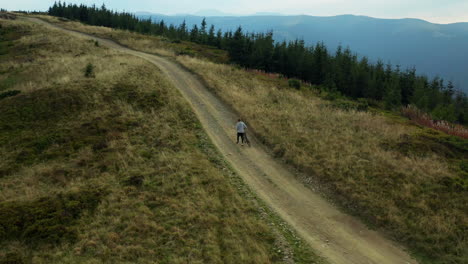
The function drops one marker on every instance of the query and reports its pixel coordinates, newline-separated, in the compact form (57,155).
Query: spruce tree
(211,36)
(203,34)
(236,47)
(194,34)
(182,31)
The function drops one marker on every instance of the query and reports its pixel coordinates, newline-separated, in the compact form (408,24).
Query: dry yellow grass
(164,196)
(346,151)
(150,44)
(147,43)
(387,172)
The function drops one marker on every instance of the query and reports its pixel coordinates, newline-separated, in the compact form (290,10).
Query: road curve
(338,237)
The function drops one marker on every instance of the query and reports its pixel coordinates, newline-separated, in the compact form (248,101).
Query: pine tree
(361,77)
(407,85)
(182,31)
(448,93)
(219,39)
(211,36)
(194,34)
(202,33)
(392,97)
(236,47)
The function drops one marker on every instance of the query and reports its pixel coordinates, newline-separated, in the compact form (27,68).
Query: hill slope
(355,157)
(107,163)
(434,49)
(338,237)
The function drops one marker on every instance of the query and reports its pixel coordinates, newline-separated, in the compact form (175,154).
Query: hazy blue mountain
(211,12)
(434,49)
(267,14)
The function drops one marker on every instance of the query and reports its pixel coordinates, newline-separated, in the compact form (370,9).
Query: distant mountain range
(434,49)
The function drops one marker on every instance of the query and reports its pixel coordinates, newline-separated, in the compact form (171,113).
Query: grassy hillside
(103,161)
(147,43)
(408,181)
(411,181)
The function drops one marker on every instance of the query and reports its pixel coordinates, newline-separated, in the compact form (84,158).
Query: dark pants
(240,135)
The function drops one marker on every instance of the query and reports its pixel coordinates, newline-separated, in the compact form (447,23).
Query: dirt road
(336,236)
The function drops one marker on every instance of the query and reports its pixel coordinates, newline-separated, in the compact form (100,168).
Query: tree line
(340,72)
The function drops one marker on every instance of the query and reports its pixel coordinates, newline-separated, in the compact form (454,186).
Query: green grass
(32,123)
(47,219)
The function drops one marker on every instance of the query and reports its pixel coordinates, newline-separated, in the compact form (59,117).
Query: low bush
(294,83)
(9,94)
(144,100)
(47,219)
(50,104)
(89,71)
(424,119)
(133,180)
(12,258)
(185,53)
(330,95)
(10,81)
(348,105)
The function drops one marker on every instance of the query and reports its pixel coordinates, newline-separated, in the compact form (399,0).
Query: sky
(436,11)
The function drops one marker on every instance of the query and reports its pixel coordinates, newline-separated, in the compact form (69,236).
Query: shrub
(330,95)
(47,219)
(9,94)
(348,105)
(134,180)
(294,83)
(89,71)
(12,258)
(146,101)
(424,119)
(186,52)
(11,80)
(362,104)
(464,165)
(96,43)
(41,105)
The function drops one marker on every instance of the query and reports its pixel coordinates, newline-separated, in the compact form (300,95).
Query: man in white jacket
(240,127)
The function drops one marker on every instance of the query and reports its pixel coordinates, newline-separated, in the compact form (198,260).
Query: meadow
(103,161)
(408,181)
(403,179)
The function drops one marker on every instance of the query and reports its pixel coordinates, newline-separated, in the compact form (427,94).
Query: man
(241,127)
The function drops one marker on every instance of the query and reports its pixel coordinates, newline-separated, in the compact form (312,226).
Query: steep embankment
(340,238)
(103,161)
